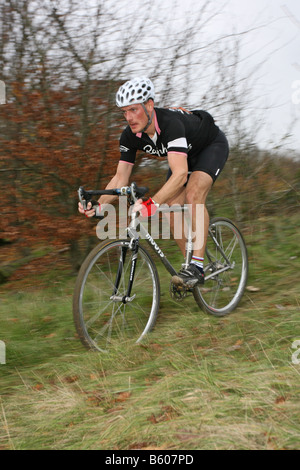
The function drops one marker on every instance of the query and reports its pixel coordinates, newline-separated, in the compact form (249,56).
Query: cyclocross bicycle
(117,292)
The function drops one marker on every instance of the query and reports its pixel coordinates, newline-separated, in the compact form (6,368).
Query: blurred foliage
(255,184)
(60,128)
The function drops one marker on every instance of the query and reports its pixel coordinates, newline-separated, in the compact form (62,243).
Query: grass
(197,382)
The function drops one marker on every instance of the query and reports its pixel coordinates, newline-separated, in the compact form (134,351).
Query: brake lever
(81,198)
(133,191)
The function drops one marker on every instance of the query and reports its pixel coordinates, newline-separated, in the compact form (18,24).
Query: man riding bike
(196,150)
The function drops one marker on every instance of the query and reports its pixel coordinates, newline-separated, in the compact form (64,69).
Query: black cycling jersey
(177,130)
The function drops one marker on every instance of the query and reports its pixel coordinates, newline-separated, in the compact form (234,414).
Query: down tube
(146,235)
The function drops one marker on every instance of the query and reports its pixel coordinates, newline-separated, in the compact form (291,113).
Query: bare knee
(198,188)
(196,196)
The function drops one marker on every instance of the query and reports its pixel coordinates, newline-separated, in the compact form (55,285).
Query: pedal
(178,292)
(177,281)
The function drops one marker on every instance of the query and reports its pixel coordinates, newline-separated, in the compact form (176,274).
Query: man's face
(136,117)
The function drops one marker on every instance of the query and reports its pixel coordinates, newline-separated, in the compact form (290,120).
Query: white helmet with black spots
(137,90)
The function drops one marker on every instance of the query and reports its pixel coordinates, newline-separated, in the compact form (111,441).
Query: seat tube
(189,241)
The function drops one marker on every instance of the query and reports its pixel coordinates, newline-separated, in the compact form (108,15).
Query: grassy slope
(198,382)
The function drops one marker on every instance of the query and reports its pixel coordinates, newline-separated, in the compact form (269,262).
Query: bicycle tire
(102,323)
(221,293)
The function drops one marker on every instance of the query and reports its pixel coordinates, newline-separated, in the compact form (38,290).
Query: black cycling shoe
(188,277)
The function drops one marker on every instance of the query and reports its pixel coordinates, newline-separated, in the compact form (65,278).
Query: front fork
(134,247)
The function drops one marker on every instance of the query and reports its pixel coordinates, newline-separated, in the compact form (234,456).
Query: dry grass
(198,382)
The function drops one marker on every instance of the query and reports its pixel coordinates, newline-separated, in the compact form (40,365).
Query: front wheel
(226,269)
(103,313)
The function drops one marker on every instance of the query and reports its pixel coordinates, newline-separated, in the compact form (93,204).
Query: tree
(62,65)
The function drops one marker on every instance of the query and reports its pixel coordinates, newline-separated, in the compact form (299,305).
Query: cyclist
(196,150)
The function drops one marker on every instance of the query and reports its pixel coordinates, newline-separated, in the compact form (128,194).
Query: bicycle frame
(135,236)
(134,244)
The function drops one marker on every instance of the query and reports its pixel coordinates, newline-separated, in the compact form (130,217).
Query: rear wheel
(226,269)
(103,315)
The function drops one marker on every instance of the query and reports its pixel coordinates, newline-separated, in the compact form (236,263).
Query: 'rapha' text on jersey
(177,130)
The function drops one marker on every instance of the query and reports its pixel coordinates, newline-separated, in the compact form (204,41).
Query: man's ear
(150,105)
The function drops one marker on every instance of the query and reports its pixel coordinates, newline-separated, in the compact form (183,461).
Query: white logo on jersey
(159,152)
(123,148)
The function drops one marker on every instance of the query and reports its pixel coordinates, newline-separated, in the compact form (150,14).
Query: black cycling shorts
(211,159)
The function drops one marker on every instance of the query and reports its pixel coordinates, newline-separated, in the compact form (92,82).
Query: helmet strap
(150,118)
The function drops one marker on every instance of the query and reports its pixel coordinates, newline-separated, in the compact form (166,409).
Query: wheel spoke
(95,317)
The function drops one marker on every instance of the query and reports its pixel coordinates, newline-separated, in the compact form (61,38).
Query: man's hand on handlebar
(93,209)
(146,208)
